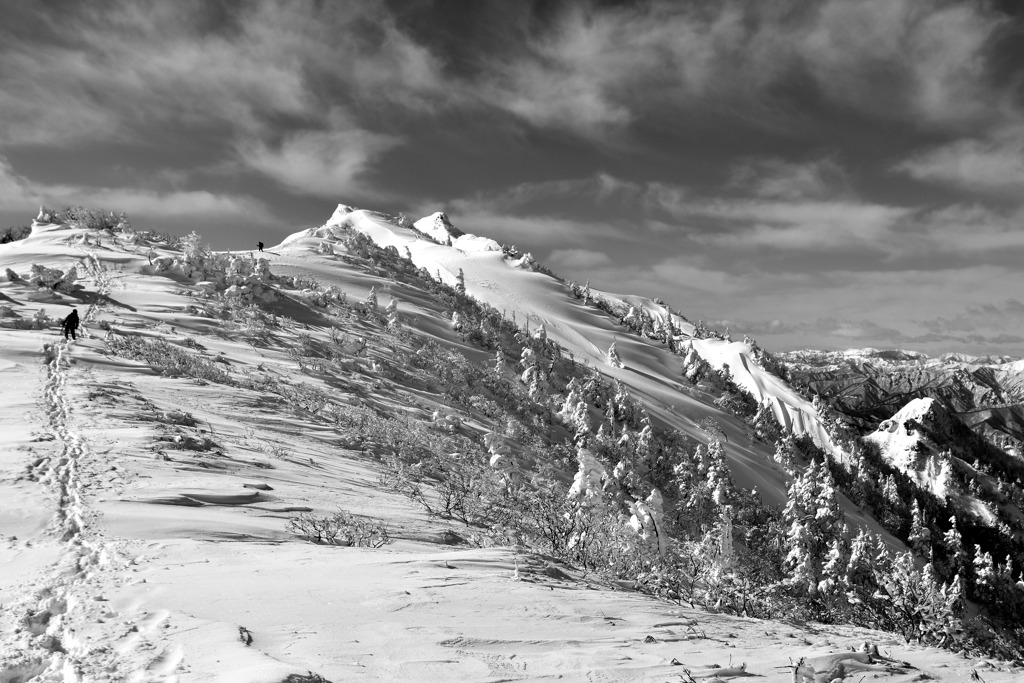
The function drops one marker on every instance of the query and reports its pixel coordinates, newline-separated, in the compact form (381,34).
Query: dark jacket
(71,322)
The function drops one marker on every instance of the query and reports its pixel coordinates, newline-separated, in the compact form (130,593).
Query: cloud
(992,166)
(794,225)
(598,66)
(845,333)
(775,178)
(578,259)
(531,231)
(600,188)
(135,66)
(1006,315)
(906,59)
(966,229)
(148,203)
(326,163)
(524,212)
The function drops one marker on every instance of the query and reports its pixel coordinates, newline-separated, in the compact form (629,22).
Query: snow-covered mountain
(868,386)
(511,283)
(341,458)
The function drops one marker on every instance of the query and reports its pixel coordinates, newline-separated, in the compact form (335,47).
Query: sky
(813,173)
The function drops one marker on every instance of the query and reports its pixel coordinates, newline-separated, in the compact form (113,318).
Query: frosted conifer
(391,315)
(814,519)
(533,374)
(920,536)
(613,357)
(984,572)
(726,554)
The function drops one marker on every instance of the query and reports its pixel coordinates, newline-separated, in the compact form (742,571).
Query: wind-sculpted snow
(791,410)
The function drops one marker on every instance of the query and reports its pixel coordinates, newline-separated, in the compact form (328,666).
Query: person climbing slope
(70,324)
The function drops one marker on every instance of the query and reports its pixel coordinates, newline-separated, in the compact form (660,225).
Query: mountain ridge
(223,417)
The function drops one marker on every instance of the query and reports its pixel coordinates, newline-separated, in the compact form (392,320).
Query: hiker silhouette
(70,324)
(260,245)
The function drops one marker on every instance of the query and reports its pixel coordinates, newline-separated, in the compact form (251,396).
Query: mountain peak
(438,226)
(340,214)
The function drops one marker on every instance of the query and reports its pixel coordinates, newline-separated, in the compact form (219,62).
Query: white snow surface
(127,556)
(897,443)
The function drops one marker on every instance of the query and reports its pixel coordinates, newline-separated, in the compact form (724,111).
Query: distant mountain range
(868,386)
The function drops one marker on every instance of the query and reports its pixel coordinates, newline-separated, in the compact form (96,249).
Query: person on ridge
(70,324)
(260,245)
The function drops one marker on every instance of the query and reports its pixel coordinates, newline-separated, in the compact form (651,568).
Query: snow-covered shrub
(83,217)
(46,216)
(53,279)
(39,321)
(11,275)
(14,233)
(43,276)
(341,528)
(245,278)
(446,421)
(162,264)
(178,417)
(171,360)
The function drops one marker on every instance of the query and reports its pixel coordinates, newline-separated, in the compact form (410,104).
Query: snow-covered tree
(574,412)
(648,520)
(498,368)
(726,553)
(613,357)
(590,476)
(533,373)
(712,427)
(859,576)
(460,281)
(644,439)
(837,562)
(814,517)
(920,539)
(786,452)
(719,478)
(194,256)
(984,573)
(764,426)
(572,398)
(695,368)
(394,324)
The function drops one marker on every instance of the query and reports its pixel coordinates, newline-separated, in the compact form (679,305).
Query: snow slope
(651,372)
(143,515)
